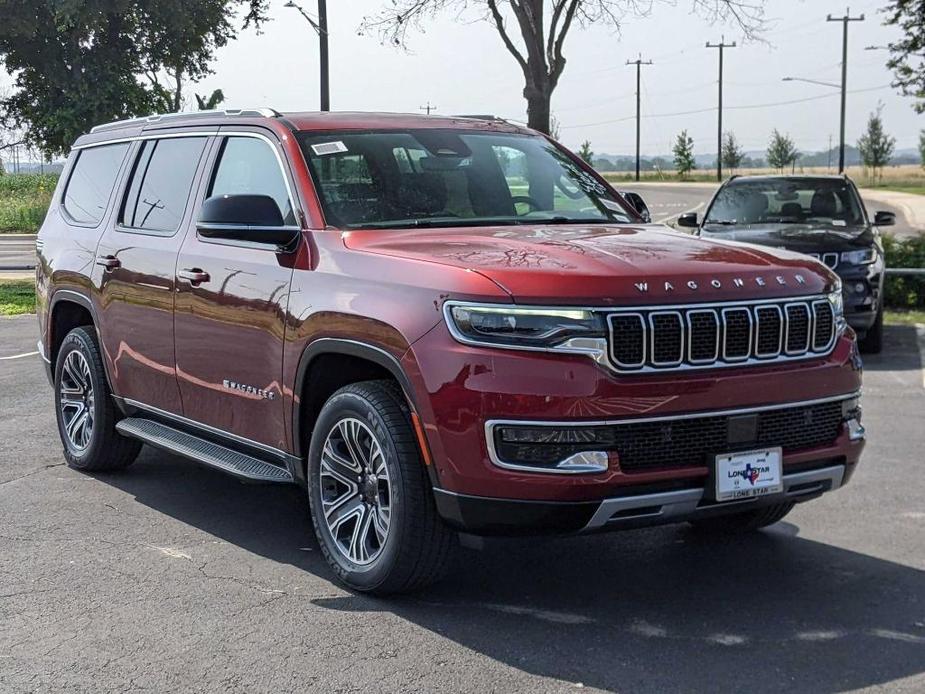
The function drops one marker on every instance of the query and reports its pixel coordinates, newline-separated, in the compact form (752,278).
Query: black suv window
(161,181)
(91,182)
(783,200)
(248,166)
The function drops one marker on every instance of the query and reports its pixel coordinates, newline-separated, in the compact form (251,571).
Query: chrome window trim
(214,131)
(491,424)
(751,334)
(610,330)
(833,335)
(690,331)
(809,327)
(780,331)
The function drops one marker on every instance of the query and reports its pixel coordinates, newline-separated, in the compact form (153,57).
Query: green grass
(904,317)
(903,188)
(17,297)
(24,200)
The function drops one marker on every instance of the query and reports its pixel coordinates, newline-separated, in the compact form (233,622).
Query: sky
(460,66)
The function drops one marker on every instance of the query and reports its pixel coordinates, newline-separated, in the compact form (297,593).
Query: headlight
(864,256)
(549,329)
(838,305)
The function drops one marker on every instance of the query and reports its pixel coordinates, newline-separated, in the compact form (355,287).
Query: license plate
(748,474)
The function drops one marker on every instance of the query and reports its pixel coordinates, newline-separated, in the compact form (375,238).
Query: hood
(605,265)
(802,238)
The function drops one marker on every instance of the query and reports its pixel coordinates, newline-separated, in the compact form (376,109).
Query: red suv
(434,325)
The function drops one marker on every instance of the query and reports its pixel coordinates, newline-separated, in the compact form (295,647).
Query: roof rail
(166,117)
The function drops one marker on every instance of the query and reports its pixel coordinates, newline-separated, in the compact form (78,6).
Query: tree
(732,152)
(875,146)
(683,154)
(922,147)
(213,101)
(781,151)
(907,55)
(543,26)
(76,64)
(585,152)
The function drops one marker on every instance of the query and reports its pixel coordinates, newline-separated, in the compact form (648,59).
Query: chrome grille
(714,335)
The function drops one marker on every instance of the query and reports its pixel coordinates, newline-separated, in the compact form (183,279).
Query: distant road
(17,252)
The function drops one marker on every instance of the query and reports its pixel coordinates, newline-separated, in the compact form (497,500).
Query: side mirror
(250,218)
(885,219)
(635,199)
(688,219)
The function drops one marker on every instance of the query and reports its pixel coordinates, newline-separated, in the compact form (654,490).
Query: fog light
(860,288)
(856,430)
(586,461)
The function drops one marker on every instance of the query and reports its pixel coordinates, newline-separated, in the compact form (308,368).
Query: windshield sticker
(325,148)
(612,205)
(839,223)
(585,180)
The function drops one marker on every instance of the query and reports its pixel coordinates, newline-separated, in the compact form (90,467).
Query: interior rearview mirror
(251,218)
(885,219)
(688,219)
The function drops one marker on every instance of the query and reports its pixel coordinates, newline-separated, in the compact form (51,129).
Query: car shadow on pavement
(900,351)
(662,609)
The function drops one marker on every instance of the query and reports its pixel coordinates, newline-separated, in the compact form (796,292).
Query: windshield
(788,201)
(434,178)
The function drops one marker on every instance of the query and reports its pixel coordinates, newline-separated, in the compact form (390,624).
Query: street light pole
(719,126)
(844,79)
(639,62)
(321,28)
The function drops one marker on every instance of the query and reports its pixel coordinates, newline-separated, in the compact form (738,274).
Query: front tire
(872,342)
(85,411)
(371,501)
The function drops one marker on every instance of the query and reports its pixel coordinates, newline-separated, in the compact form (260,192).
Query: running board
(205,452)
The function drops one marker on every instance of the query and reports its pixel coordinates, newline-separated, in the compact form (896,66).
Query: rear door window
(249,166)
(161,182)
(90,184)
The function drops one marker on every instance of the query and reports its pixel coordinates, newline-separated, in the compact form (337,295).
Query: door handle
(110,262)
(194,275)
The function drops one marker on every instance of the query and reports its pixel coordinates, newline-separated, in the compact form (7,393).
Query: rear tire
(371,500)
(85,411)
(744,522)
(872,342)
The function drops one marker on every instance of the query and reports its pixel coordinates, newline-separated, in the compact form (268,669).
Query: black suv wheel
(86,414)
(371,501)
(872,342)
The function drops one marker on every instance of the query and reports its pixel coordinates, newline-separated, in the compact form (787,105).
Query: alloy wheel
(75,400)
(356,491)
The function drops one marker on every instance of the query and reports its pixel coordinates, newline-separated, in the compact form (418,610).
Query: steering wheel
(526,200)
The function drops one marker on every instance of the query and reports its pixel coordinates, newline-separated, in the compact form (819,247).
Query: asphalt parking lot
(171,577)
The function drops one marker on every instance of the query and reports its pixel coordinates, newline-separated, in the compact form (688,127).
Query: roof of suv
(304,120)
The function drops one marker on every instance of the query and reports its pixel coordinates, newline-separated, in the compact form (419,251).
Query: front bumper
(487,516)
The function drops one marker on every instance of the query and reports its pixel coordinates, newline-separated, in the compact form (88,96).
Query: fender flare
(353,348)
(70,296)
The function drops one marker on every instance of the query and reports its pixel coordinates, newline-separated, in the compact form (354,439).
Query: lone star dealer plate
(748,474)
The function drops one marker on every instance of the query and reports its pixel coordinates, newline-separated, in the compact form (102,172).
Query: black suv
(821,216)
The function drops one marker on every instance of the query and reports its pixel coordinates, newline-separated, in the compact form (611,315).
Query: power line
(728,108)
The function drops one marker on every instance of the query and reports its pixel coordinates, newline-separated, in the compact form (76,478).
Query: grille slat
(703,336)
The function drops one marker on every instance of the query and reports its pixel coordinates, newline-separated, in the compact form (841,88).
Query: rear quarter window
(90,184)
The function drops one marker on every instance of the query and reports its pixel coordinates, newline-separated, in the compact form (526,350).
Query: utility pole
(427,108)
(321,28)
(844,78)
(828,167)
(639,62)
(722,45)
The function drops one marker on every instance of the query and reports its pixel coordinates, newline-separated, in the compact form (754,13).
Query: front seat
(824,204)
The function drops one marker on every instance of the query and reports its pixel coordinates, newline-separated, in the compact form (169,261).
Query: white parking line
(19,356)
(678,214)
